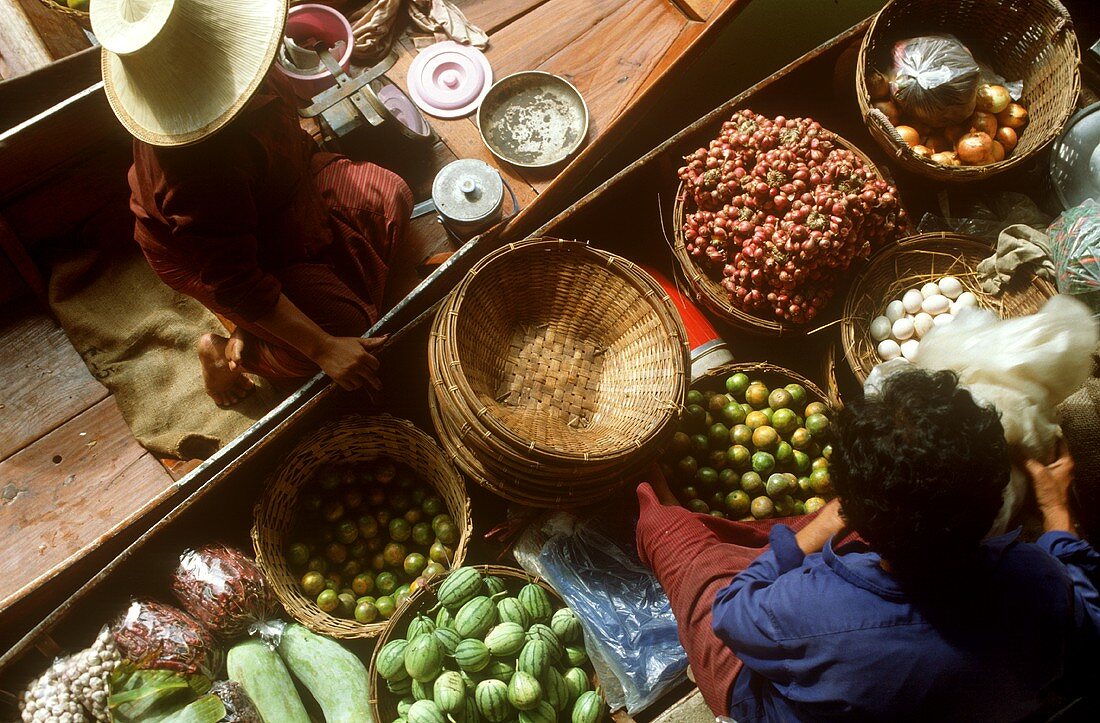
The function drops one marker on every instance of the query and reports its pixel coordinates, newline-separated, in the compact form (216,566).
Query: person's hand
(1051,484)
(351,361)
(657,481)
(828,523)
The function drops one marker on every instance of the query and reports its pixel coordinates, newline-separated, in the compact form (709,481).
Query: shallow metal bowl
(533,119)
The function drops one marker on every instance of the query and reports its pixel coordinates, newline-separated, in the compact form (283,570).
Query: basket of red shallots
(770,216)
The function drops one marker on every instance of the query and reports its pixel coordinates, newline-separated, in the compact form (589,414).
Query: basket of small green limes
(361,513)
(753,443)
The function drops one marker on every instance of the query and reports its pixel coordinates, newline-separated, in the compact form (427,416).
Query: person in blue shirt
(920,617)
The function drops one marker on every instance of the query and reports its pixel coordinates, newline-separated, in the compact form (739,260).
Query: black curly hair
(920,470)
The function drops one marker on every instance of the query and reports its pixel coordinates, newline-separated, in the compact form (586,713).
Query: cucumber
(334,675)
(264,677)
(542,632)
(534,658)
(504,640)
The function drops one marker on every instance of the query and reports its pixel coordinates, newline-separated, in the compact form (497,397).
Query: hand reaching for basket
(351,361)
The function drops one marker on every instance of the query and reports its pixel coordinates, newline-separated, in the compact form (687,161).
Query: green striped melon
(504,640)
(425,711)
(461,586)
(476,617)
(534,658)
(391,660)
(449,691)
(524,691)
(554,689)
(511,610)
(472,655)
(492,701)
(588,708)
(424,658)
(537,602)
(566,626)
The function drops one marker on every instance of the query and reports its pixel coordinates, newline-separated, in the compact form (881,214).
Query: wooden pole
(32,35)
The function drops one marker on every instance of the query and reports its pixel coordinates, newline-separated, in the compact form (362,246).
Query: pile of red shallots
(782,210)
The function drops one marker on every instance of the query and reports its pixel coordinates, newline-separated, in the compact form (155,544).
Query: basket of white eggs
(910,288)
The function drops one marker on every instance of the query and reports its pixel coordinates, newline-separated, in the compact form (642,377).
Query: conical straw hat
(175,71)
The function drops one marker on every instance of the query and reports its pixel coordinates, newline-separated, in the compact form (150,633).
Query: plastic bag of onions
(223,589)
(935,79)
(152,635)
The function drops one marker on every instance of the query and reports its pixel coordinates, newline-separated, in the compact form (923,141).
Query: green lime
(335,552)
(763,463)
(718,513)
(419,495)
(385,606)
(686,468)
(732,414)
(820,482)
(798,394)
(800,438)
(358,549)
(394,553)
(719,436)
(706,477)
(378,563)
(698,505)
(777,485)
(365,612)
(769,413)
(716,500)
(762,508)
(346,532)
(440,553)
(328,600)
(364,598)
(738,456)
(385,583)
(317,564)
(756,420)
(376,496)
(783,453)
(346,608)
(784,505)
(804,487)
(688,493)
(447,532)
(816,408)
(765,438)
(746,408)
(423,534)
(716,458)
(679,446)
(814,504)
(297,555)
(819,463)
(737,384)
(328,477)
(333,581)
(362,583)
(414,564)
(785,421)
(800,461)
(400,529)
(818,425)
(694,417)
(717,403)
(827,451)
(757,396)
(700,445)
(383,516)
(741,434)
(400,502)
(313,583)
(311,502)
(695,397)
(799,507)
(432,506)
(780,399)
(353,499)
(350,569)
(368,526)
(729,478)
(752,483)
(738,503)
(413,515)
(375,544)
(432,569)
(332,510)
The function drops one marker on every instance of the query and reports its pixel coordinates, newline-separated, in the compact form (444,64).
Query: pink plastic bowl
(322,23)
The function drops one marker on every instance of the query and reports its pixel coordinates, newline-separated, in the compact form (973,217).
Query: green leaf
(207,709)
(152,696)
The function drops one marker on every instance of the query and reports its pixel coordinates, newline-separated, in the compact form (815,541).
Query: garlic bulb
(75,688)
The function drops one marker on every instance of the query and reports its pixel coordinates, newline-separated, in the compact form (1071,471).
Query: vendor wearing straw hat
(236,206)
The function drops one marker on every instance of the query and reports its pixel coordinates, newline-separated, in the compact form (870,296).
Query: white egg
(880,328)
(912,300)
(922,324)
(902,329)
(889,349)
(950,287)
(943,319)
(966,299)
(929,289)
(936,304)
(909,349)
(894,311)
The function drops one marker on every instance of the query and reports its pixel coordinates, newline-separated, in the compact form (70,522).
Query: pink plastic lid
(449,80)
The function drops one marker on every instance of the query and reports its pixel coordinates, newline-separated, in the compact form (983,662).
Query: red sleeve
(196,223)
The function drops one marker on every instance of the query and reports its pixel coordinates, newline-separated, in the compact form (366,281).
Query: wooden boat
(65,159)
(216,499)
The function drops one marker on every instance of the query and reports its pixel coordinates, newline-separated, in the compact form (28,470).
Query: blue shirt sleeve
(742,616)
(1082,563)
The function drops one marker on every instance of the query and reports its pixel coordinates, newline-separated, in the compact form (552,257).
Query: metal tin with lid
(469,196)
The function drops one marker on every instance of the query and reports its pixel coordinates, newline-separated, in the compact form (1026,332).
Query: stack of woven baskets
(558,370)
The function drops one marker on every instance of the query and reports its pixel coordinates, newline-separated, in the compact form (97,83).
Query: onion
(878,87)
(946,158)
(983,122)
(1006,137)
(975,149)
(992,98)
(922,151)
(938,143)
(908,135)
(890,110)
(1013,116)
(998,151)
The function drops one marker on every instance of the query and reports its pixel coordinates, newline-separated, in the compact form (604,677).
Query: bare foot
(225,385)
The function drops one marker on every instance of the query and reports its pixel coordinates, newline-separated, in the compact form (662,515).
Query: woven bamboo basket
(384,703)
(352,439)
(80,16)
(706,288)
(1029,40)
(556,369)
(914,261)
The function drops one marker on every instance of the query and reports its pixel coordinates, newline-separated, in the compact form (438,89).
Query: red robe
(257,210)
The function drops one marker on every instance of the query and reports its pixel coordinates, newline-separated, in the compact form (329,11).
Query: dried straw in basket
(1032,40)
(352,439)
(915,261)
(706,288)
(384,703)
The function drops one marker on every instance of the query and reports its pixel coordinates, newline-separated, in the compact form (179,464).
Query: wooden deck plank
(45,381)
(491,15)
(66,493)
